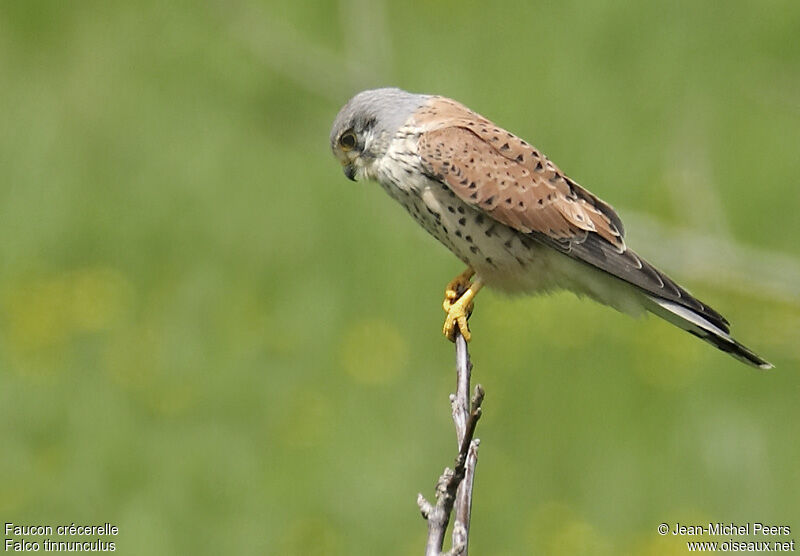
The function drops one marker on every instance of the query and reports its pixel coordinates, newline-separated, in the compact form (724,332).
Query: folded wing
(512,182)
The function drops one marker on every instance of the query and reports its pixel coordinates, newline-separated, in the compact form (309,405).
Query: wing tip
(697,325)
(746,355)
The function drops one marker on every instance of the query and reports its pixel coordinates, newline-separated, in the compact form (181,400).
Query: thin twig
(463,507)
(454,487)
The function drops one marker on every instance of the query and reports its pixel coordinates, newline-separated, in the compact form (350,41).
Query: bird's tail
(696,324)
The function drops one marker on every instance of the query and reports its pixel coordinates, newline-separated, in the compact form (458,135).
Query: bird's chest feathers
(504,257)
(423,202)
(469,234)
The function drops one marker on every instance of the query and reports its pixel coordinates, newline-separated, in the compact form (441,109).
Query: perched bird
(512,216)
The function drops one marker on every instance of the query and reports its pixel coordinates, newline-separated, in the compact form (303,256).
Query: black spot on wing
(598,203)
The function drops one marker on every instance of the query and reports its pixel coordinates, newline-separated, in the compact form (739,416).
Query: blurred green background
(213,340)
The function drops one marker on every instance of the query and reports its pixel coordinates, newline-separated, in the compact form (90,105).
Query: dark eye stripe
(370,123)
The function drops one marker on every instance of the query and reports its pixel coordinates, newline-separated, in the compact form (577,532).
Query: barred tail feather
(696,324)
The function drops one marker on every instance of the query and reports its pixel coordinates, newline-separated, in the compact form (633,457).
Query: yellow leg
(456,288)
(458,306)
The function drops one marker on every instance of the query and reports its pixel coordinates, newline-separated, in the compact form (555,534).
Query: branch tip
(425,507)
(477,397)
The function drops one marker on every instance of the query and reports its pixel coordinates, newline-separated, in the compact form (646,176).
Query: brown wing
(511,181)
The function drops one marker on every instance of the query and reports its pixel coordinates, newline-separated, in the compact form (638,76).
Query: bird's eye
(348,141)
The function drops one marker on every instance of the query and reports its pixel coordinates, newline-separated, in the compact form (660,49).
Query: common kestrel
(512,216)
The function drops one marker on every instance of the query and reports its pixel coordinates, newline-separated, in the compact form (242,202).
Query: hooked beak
(349,171)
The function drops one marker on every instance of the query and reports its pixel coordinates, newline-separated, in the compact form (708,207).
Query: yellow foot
(456,319)
(458,305)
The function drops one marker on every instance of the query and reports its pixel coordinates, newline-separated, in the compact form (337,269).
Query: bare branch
(463,507)
(454,487)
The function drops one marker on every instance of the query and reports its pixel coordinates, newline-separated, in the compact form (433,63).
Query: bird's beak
(349,171)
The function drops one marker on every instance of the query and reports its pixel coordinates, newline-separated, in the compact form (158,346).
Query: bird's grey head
(366,125)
